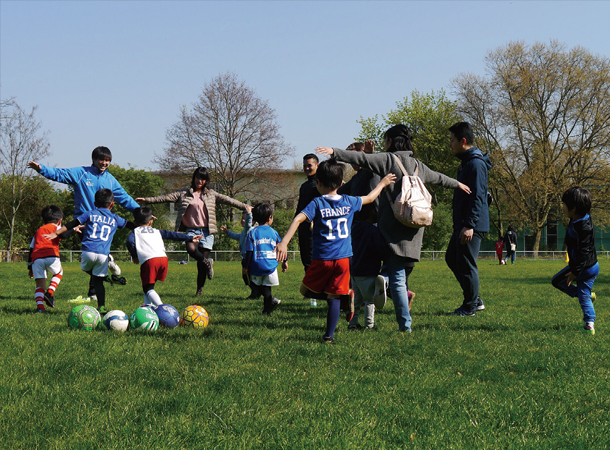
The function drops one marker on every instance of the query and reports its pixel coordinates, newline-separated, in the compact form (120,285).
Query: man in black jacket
(307,192)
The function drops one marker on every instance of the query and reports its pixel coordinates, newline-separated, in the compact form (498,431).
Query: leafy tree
(543,113)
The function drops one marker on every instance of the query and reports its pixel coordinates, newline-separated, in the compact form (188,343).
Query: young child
(246,223)
(260,261)
(332,215)
(583,267)
(500,250)
(44,256)
(145,244)
(368,247)
(100,225)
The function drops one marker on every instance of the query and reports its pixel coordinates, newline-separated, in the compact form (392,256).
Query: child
(260,261)
(100,224)
(246,223)
(368,247)
(145,244)
(44,255)
(583,267)
(332,215)
(500,250)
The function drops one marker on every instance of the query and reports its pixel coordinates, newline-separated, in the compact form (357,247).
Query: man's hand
(328,151)
(466,235)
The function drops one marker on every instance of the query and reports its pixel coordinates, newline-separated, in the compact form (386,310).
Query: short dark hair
(142,215)
(100,153)
(330,173)
(52,214)
(358,146)
(200,173)
(577,198)
(262,212)
(463,130)
(103,198)
(401,138)
(310,156)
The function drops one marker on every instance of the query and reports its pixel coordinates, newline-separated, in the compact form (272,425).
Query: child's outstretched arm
(282,248)
(75,224)
(385,181)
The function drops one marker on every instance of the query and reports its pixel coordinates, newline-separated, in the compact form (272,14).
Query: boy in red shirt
(499,250)
(44,256)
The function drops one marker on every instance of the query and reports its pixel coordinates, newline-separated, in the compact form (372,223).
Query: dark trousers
(305,245)
(462,260)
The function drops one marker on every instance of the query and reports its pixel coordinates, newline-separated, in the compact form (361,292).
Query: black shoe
(49,300)
(276,302)
(480,305)
(373,328)
(199,292)
(355,327)
(118,279)
(461,312)
(328,339)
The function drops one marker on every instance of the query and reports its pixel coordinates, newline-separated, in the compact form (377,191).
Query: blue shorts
(207,241)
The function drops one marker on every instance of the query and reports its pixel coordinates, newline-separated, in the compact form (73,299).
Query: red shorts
(153,269)
(330,277)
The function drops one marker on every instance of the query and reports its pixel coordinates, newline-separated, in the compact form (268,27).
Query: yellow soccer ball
(194,316)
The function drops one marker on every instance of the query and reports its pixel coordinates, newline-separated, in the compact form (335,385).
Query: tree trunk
(537,235)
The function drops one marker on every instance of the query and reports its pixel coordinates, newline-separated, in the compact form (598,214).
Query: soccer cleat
(593,297)
(199,292)
(461,312)
(480,305)
(49,300)
(40,310)
(589,328)
(328,339)
(410,297)
(102,309)
(209,264)
(354,327)
(117,279)
(373,328)
(113,267)
(276,302)
(380,297)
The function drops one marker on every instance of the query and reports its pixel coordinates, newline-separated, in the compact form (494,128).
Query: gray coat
(401,240)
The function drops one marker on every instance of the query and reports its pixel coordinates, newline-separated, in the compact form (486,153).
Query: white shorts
(41,265)
(94,262)
(266,280)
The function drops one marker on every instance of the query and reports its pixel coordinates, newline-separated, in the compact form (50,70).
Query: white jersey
(149,243)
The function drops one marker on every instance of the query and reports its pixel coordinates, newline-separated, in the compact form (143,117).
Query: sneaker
(480,305)
(209,264)
(593,297)
(102,309)
(40,310)
(410,297)
(113,267)
(49,300)
(373,328)
(328,339)
(199,292)
(380,297)
(117,279)
(589,328)
(275,304)
(461,312)
(356,326)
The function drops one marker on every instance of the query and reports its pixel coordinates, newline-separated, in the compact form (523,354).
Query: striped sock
(39,296)
(54,282)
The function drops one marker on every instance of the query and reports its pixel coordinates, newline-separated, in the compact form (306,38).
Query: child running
(44,256)
(100,225)
(242,238)
(145,244)
(260,261)
(328,276)
(583,267)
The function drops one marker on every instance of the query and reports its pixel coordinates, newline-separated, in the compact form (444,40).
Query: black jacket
(580,240)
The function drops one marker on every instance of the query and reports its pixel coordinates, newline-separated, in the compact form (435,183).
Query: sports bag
(413,206)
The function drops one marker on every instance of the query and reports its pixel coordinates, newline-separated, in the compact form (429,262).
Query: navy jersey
(332,218)
(100,226)
(261,242)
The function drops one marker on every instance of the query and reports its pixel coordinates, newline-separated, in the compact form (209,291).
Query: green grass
(519,375)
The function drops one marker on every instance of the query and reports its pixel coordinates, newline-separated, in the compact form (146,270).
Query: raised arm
(282,247)
(385,181)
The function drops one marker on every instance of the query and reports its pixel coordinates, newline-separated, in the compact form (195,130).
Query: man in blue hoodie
(470,218)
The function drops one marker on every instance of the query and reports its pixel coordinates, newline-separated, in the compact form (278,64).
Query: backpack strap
(402,168)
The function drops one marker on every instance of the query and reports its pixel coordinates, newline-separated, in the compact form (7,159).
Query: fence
(233,255)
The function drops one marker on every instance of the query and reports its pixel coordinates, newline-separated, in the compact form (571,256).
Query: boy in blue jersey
(260,261)
(242,238)
(100,225)
(332,215)
(145,244)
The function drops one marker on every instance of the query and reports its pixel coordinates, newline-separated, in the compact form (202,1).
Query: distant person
(510,242)
(44,257)
(146,247)
(100,225)
(197,216)
(500,250)
(332,216)
(404,243)
(86,181)
(246,223)
(261,261)
(470,218)
(583,267)
(307,192)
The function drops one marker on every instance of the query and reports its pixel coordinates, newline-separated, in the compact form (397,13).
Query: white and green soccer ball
(144,318)
(84,317)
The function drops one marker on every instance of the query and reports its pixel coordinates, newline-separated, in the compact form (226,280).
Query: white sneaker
(380,298)
(113,267)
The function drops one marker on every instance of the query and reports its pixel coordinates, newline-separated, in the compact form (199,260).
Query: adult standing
(363,181)
(470,218)
(197,216)
(403,243)
(510,242)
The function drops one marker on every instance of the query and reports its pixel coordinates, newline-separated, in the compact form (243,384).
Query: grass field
(519,375)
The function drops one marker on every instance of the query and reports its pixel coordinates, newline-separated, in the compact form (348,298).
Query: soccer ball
(168,315)
(194,316)
(144,318)
(84,317)
(116,320)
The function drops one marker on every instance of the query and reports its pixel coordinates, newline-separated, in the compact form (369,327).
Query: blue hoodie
(87,181)
(471,210)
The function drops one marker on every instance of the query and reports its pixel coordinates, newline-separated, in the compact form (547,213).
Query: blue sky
(116,73)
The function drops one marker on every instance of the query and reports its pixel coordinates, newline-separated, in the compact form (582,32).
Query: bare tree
(20,141)
(543,113)
(233,133)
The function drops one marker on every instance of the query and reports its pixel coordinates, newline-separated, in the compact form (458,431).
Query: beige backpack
(413,206)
